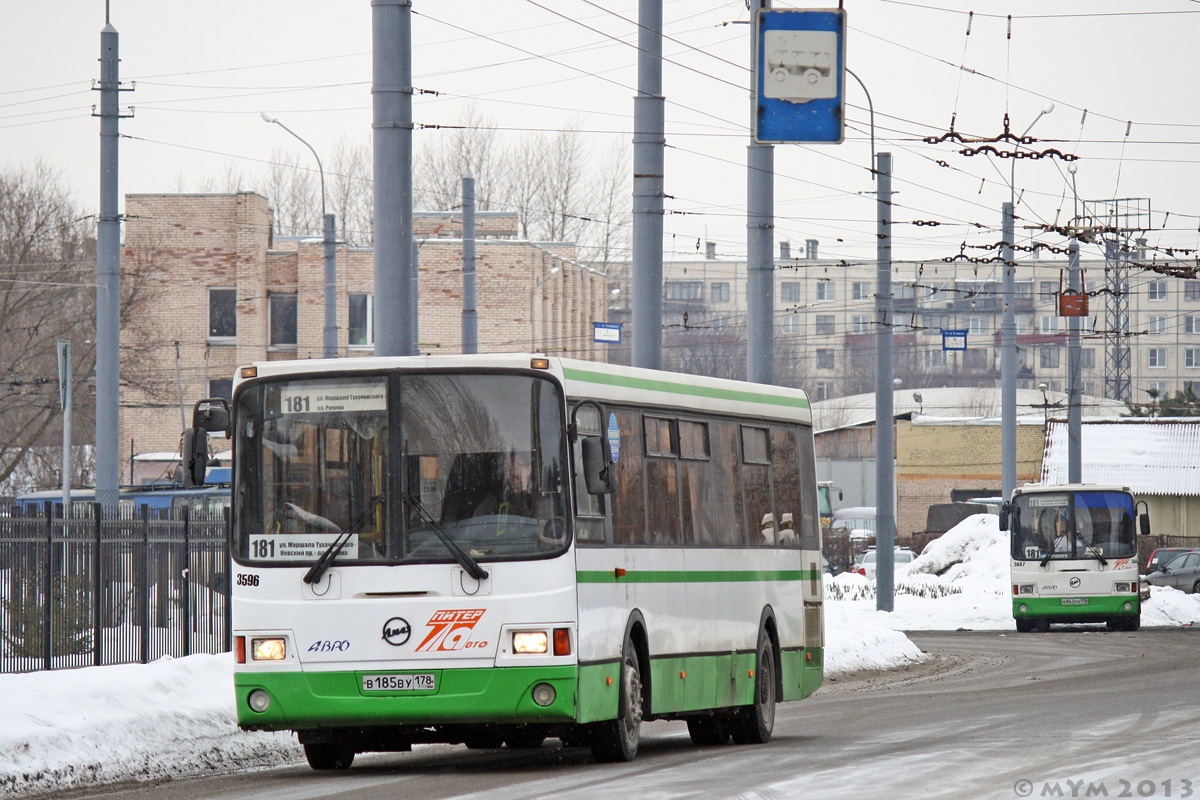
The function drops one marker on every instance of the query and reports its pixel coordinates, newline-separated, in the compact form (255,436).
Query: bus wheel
(708,731)
(755,722)
(328,756)
(1025,625)
(617,740)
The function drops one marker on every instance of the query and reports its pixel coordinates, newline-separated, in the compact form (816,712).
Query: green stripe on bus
(695,576)
(686,389)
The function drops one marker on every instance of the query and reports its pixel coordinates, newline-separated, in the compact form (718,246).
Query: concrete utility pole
(470,322)
(1074,395)
(329,241)
(885,425)
(1008,359)
(649,145)
(1008,329)
(760,258)
(108,275)
(391,100)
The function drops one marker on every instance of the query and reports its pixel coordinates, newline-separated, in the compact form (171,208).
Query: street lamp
(532,293)
(330,340)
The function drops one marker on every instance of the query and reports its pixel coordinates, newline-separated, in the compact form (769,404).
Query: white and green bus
(501,549)
(1074,555)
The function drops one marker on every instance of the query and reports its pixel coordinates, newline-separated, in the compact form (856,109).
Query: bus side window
(785,474)
(662,480)
(725,501)
(756,487)
(695,483)
(589,515)
(809,523)
(629,501)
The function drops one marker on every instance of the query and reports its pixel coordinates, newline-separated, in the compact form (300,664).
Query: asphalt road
(1071,713)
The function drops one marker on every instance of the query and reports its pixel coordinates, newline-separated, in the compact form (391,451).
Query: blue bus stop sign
(799,80)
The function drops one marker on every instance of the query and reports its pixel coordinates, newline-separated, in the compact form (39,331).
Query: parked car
(1181,572)
(866,564)
(1162,555)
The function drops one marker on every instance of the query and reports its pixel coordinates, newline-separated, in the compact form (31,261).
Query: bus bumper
(304,700)
(1069,609)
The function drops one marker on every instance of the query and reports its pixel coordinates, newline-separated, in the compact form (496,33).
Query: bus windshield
(397,463)
(1073,525)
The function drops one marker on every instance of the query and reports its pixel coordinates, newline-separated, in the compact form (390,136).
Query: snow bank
(75,728)
(961,582)
(857,641)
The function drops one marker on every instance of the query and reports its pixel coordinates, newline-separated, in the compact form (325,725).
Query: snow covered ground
(173,718)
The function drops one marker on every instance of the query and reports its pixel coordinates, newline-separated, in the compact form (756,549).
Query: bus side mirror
(597,468)
(195,456)
(212,415)
(1005,510)
(1143,515)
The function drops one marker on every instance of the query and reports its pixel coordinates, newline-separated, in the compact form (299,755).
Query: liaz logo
(451,630)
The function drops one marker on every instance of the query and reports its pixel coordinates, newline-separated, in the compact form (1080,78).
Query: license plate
(422,682)
(1075,601)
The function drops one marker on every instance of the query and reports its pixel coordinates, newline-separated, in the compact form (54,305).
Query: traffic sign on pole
(799,76)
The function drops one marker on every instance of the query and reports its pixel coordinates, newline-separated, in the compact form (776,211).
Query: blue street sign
(606,332)
(800,75)
(954,339)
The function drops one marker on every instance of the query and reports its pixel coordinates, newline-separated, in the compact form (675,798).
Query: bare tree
(524,183)
(606,239)
(563,190)
(470,147)
(47,293)
(294,189)
(350,190)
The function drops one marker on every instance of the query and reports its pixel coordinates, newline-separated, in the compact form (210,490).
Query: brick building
(226,292)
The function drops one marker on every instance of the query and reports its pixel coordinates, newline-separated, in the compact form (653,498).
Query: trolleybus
(1074,555)
(506,548)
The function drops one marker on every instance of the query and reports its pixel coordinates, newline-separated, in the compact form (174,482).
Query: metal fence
(106,587)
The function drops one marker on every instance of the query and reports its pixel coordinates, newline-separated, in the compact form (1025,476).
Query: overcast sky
(204,71)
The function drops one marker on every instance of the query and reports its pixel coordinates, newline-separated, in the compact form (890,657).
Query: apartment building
(825,322)
(223,291)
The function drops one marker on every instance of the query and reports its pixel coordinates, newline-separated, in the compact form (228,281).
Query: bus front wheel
(617,740)
(755,722)
(328,756)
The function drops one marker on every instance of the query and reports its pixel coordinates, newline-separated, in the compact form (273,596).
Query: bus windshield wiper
(463,558)
(317,570)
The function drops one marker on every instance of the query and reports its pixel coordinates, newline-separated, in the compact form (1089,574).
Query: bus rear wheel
(617,740)
(328,756)
(755,722)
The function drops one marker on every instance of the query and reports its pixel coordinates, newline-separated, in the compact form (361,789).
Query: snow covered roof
(1150,456)
(955,403)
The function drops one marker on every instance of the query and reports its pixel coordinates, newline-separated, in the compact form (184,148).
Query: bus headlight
(1025,588)
(530,642)
(268,649)
(1122,586)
